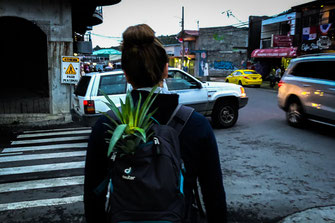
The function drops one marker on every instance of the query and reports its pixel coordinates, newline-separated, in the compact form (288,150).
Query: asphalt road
(272,170)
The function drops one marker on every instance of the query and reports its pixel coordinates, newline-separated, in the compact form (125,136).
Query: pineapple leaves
(116,136)
(134,124)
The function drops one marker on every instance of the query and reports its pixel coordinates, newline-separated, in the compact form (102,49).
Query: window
(179,81)
(315,69)
(250,72)
(113,84)
(82,86)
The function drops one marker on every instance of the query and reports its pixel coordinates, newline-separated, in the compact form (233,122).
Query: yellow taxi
(245,77)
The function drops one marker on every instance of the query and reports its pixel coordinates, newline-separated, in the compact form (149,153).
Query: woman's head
(144,59)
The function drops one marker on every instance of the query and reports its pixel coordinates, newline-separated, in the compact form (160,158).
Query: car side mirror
(196,85)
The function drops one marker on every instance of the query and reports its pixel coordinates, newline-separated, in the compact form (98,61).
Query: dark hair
(143,56)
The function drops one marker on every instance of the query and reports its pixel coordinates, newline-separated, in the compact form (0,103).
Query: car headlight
(243,94)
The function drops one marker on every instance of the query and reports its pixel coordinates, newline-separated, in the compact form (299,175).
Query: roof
(188,33)
(107,52)
(192,32)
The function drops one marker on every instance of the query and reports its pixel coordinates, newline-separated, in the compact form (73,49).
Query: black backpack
(148,186)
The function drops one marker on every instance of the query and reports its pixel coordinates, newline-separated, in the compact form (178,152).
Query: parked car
(245,77)
(307,90)
(221,101)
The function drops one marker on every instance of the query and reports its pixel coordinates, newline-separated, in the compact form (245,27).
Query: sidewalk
(312,215)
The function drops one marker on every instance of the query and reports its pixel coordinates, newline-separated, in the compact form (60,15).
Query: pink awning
(275,52)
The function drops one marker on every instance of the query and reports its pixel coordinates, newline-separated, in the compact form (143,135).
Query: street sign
(70,70)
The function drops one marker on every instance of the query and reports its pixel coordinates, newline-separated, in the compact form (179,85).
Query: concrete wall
(225,46)
(55,20)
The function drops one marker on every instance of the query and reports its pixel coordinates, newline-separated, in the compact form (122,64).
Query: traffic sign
(70,59)
(70,70)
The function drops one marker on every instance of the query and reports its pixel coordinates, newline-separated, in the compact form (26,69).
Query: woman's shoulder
(198,123)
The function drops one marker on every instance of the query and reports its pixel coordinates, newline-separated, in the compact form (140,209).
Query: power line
(107,37)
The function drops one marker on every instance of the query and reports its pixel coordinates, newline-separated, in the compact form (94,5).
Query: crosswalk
(43,168)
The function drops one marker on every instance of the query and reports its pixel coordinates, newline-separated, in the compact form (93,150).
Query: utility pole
(182,36)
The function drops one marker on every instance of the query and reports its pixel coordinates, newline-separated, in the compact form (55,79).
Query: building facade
(35,35)
(303,29)
(316,29)
(221,50)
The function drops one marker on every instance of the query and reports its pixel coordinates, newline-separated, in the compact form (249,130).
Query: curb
(312,215)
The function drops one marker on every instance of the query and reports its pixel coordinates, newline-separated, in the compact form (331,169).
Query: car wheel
(294,114)
(224,115)
(240,83)
(227,80)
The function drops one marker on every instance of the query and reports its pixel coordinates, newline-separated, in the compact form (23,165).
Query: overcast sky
(164,16)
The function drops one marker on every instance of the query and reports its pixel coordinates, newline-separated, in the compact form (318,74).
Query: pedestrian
(278,74)
(145,64)
(272,77)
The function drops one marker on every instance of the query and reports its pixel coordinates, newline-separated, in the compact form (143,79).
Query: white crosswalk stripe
(46,147)
(61,139)
(43,159)
(40,203)
(41,156)
(52,134)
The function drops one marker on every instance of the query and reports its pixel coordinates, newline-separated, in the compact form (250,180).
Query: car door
(237,77)
(191,92)
(233,77)
(324,89)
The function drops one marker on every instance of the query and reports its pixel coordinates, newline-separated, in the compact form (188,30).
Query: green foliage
(165,40)
(135,123)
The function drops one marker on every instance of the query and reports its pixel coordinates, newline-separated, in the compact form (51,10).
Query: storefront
(188,65)
(267,59)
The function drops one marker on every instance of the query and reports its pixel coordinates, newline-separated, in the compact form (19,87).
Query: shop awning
(275,52)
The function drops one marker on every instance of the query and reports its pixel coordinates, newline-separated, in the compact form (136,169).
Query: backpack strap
(180,117)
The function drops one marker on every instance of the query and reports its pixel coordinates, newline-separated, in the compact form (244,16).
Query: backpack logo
(128,177)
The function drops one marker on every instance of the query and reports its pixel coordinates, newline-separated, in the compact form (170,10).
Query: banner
(309,33)
(325,28)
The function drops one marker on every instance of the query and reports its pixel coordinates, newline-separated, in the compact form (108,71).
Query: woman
(144,62)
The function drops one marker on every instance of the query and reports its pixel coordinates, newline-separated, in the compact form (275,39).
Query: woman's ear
(166,71)
(127,78)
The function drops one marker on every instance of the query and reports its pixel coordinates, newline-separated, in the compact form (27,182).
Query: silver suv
(307,90)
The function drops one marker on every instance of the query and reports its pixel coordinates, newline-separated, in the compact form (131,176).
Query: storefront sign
(324,42)
(275,53)
(282,41)
(70,70)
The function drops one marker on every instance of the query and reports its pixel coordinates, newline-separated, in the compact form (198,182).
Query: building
(186,59)
(278,41)
(316,29)
(221,50)
(303,29)
(34,37)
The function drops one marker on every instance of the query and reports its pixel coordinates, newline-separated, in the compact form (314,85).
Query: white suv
(219,100)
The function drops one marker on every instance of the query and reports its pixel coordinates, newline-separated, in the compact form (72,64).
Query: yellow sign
(71,59)
(70,70)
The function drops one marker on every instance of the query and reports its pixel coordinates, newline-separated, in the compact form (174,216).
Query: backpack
(148,186)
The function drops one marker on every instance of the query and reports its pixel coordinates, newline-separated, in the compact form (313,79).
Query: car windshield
(82,86)
(250,72)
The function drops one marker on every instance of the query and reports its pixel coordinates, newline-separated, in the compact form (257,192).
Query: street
(270,169)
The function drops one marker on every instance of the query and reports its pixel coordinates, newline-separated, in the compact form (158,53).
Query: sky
(165,16)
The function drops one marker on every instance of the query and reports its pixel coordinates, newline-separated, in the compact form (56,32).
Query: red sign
(282,41)
(275,53)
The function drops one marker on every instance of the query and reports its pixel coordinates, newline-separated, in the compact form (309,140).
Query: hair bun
(139,35)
